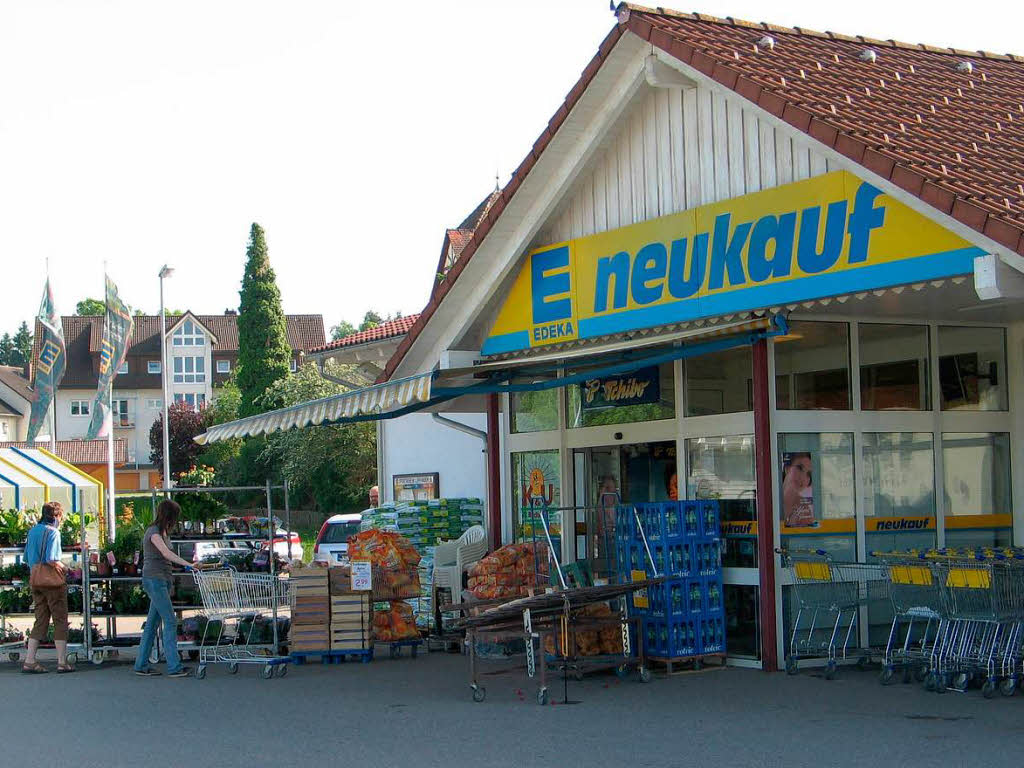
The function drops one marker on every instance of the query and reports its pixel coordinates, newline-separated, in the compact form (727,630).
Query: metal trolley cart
(229,595)
(982,610)
(830,595)
(916,622)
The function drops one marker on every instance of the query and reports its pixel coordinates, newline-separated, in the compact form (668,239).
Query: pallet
(395,646)
(298,658)
(695,664)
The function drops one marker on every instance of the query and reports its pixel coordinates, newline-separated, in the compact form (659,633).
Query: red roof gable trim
(81,451)
(780,97)
(388,330)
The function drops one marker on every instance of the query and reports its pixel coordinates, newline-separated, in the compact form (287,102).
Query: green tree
(329,468)
(224,456)
(90,307)
(22,342)
(263,351)
(341,330)
(370,320)
(6,349)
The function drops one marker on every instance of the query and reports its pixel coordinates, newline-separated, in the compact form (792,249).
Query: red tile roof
(81,451)
(389,330)
(953,138)
(14,377)
(944,124)
(84,334)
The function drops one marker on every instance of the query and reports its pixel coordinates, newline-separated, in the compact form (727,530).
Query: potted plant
(127,549)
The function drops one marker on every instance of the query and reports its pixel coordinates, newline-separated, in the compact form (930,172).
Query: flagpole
(53,399)
(111,492)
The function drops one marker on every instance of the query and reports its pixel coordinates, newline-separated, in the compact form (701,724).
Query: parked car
(197,551)
(332,541)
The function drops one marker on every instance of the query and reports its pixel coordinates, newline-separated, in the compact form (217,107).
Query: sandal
(34,669)
(63,669)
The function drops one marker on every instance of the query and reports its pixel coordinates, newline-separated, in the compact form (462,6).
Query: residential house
(15,402)
(202,351)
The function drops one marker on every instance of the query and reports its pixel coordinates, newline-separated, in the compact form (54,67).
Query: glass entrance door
(606,476)
(722,468)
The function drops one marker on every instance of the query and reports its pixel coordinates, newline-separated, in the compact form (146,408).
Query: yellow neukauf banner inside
(826,236)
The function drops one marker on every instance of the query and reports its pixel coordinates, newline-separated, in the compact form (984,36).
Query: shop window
(972,369)
(818,492)
(812,367)
(720,382)
(976,469)
(536,483)
(647,394)
(722,468)
(899,482)
(534,411)
(894,367)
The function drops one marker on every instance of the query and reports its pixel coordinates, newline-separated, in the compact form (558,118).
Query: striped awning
(378,400)
(522,374)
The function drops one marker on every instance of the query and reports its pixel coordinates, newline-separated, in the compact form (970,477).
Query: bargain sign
(830,235)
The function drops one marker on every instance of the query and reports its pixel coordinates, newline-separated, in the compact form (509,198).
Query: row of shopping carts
(958,615)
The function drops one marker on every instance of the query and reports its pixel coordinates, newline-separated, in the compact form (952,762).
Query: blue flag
(117,330)
(49,364)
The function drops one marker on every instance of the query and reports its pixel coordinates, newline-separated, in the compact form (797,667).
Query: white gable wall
(679,149)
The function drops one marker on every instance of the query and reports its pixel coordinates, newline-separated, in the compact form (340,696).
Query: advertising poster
(798,490)
(422,487)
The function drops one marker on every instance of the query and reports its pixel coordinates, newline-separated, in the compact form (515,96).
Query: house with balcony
(202,351)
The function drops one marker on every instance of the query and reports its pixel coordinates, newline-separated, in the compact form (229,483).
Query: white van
(332,541)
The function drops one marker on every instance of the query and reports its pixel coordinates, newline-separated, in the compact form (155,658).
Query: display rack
(112,644)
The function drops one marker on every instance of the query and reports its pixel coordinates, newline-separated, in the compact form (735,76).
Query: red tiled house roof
(389,330)
(83,336)
(81,451)
(953,138)
(14,377)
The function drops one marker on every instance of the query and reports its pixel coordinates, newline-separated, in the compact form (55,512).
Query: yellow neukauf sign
(825,236)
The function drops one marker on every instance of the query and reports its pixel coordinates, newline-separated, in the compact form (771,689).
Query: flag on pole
(117,329)
(49,363)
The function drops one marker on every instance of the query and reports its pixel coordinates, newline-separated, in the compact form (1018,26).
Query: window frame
(225,363)
(151,365)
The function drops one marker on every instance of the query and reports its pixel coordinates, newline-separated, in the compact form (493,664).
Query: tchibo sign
(830,235)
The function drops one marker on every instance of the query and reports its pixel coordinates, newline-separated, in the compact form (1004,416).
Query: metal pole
(53,423)
(288,521)
(163,384)
(273,570)
(111,490)
(764,508)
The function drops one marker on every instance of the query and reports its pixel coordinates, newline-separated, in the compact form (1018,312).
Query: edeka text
(774,243)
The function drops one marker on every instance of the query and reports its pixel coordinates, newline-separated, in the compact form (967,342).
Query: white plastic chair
(452,558)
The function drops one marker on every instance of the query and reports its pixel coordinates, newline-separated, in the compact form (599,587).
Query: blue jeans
(160,612)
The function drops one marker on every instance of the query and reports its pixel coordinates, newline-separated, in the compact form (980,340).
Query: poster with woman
(798,490)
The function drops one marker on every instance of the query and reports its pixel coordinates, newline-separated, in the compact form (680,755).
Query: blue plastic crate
(705,557)
(714,597)
(711,633)
(690,517)
(710,519)
(672,521)
(679,558)
(671,638)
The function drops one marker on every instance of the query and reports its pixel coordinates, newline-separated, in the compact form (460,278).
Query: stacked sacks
(396,622)
(512,571)
(604,640)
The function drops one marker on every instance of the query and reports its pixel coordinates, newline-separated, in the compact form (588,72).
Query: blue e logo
(549,277)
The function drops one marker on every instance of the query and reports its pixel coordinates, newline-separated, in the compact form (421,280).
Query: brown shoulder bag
(45,575)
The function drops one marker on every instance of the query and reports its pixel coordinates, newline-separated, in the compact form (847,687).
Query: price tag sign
(640,596)
(362,576)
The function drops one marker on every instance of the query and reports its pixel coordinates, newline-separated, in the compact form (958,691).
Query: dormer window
(189,335)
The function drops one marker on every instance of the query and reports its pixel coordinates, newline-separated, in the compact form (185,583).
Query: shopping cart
(917,620)
(982,610)
(830,595)
(230,596)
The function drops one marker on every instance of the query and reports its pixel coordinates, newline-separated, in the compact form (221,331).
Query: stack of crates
(684,617)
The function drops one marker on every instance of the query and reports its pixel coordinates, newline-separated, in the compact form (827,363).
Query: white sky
(148,132)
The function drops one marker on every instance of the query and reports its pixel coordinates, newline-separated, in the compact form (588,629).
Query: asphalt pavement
(419,713)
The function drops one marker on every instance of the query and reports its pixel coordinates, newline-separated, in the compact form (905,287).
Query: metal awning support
(397,398)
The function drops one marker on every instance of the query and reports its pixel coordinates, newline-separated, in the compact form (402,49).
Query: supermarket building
(770,266)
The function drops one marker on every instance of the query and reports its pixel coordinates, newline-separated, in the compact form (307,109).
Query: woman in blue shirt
(43,546)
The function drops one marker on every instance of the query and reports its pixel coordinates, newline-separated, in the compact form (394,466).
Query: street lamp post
(165,271)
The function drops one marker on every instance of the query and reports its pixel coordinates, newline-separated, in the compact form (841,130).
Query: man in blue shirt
(43,546)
